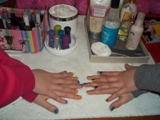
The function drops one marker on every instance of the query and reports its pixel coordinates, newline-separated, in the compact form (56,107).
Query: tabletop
(146,106)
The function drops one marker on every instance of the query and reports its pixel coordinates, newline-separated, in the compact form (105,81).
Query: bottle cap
(56,28)
(60,33)
(115,3)
(140,19)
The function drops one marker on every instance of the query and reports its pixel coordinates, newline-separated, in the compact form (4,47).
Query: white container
(64,15)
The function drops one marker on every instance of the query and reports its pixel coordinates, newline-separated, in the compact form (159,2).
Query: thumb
(127,66)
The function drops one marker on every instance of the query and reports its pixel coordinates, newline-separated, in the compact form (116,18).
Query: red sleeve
(16,79)
(6,59)
(30,97)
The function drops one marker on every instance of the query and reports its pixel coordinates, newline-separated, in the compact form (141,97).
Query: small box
(119,58)
(28,41)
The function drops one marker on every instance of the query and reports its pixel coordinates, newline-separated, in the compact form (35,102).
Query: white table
(89,106)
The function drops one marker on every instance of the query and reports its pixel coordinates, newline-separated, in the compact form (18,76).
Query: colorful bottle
(127,16)
(51,38)
(111,25)
(135,33)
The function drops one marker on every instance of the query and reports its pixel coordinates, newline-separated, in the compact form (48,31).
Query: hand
(116,82)
(123,99)
(51,84)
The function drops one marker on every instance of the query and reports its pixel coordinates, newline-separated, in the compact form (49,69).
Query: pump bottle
(135,33)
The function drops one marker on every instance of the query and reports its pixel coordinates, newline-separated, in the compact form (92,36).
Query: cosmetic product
(67,30)
(56,28)
(21,25)
(60,33)
(38,19)
(1,24)
(98,10)
(26,19)
(51,38)
(8,23)
(135,33)
(33,17)
(127,16)
(111,25)
(56,42)
(65,41)
(5,15)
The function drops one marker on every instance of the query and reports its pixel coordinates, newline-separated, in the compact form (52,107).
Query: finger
(102,91)
(76,86)
(62,74)
(66,80)
(104,78)
(55,97)
(42,101)
(110,85)
(68,95)
(122,100)
(64,89)
(108,73)
(116,94)
(127,66)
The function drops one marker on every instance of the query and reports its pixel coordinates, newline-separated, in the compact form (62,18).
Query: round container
(64,15)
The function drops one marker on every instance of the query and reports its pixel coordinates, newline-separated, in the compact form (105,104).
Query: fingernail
(72,73)
(95,87)
(112,108)
(81,84)
(76,77)
(88,91)
(65,71)
(66,101)
(76,91)
(78,81)
(80,97)
(107,100)
(84,84)
(100,72)
(56,111)
(93,79)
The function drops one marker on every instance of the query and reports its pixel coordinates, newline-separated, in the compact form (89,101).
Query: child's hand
(123,99)
(56,85)
(113,82)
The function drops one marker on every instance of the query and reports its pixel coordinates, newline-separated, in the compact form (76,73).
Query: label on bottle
(95,24)
(127,15)
(133,40)
(109,35)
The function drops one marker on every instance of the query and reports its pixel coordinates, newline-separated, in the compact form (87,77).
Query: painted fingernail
(80,97)
(76,77)
(93,79)
(107,100)
(76,91)
(84,84)
(81,84)
(78,81)
(100,72)
(95,87)
(65,71)
(112,108)
(56,111)
(72,73)
(66,101)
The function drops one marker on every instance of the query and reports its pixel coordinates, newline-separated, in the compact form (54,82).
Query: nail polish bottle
(65,41)
(67,31)
(51,38)
(56,28)
(56,42)
(60,33)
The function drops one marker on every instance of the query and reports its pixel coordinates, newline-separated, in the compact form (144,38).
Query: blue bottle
(111,25)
